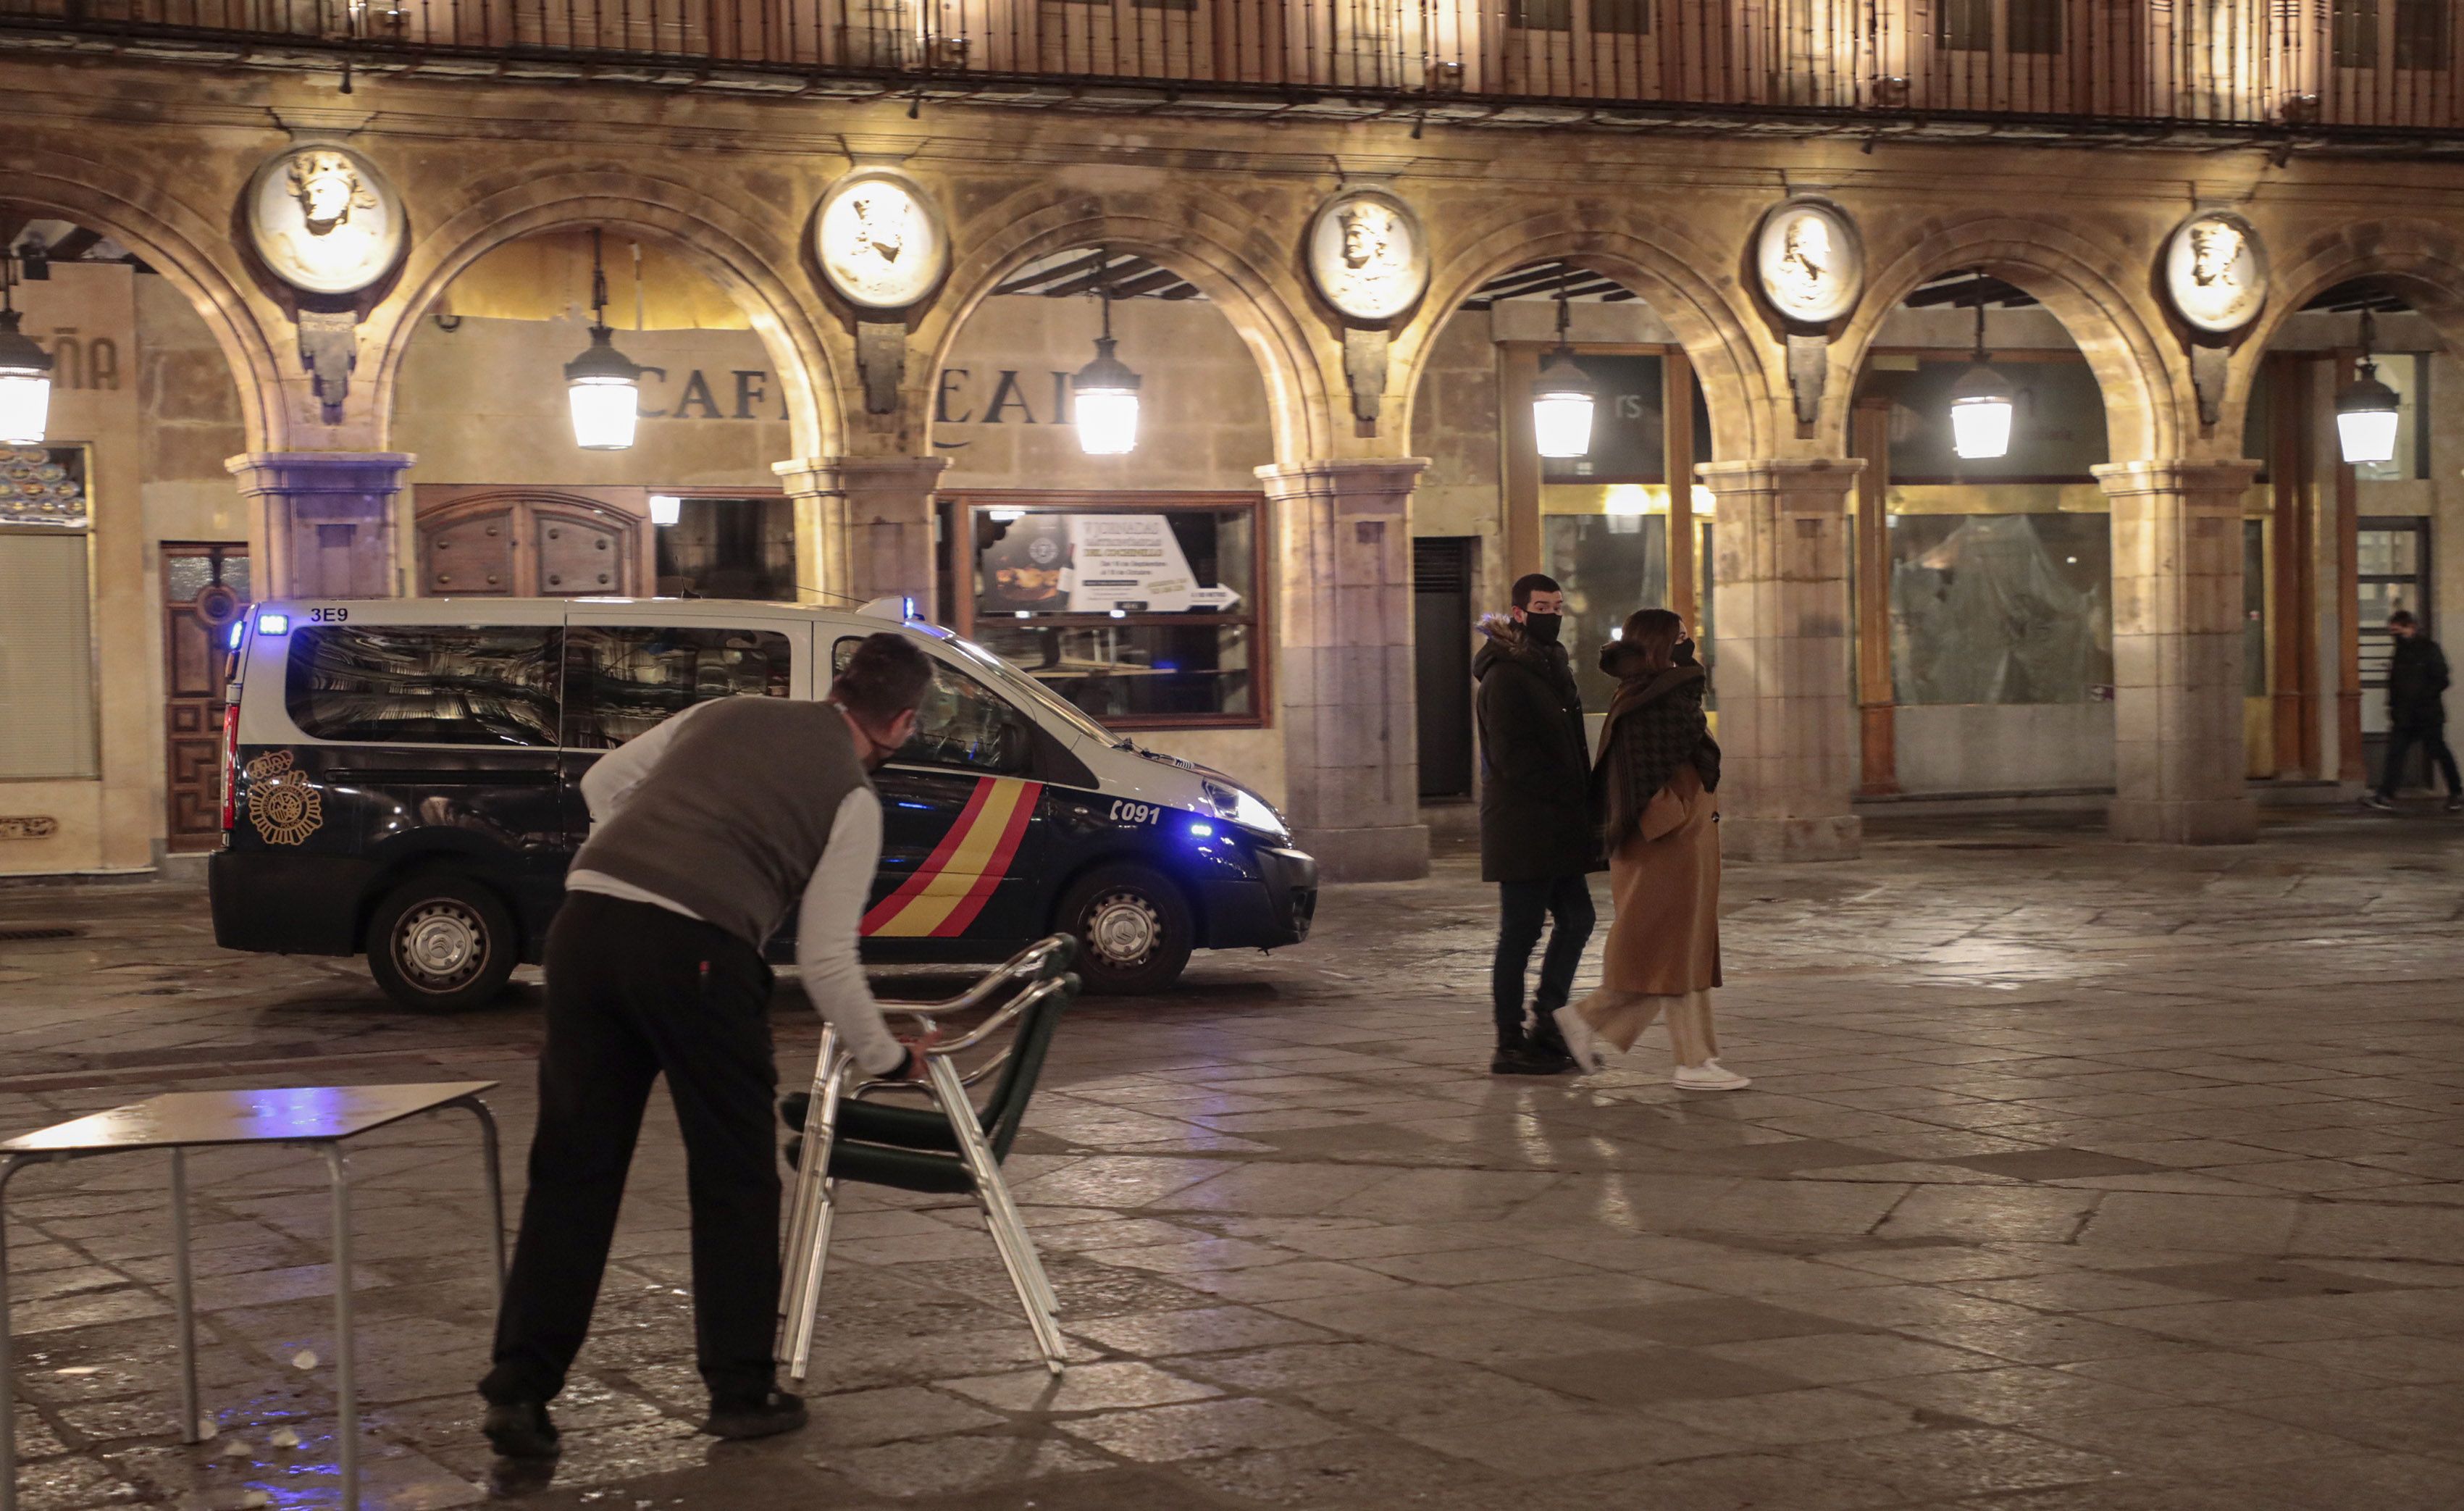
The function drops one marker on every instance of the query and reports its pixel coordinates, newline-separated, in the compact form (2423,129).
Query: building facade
(313,289)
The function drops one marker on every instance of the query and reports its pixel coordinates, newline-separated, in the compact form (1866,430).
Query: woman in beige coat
(1652,786)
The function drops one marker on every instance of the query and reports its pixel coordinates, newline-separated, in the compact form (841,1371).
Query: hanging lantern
(2366,413)
(1981,402)
(1563,397)
(1104,394)
(25,371)
(603,384)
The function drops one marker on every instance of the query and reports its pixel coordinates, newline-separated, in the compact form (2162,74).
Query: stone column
(1780,670)
(322,523)
(2177,651)
(1342,632)
(863,527)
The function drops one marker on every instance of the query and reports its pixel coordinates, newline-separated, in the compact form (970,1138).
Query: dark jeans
(2432,739)
(634,991)
(1522,905)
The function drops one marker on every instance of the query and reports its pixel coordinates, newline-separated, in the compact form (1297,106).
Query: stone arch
(728,246)
(2139,364)
(2423,259)
(188,249)
(1664,265)
(1201,247)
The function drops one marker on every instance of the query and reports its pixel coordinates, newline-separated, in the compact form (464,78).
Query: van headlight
(1248,810)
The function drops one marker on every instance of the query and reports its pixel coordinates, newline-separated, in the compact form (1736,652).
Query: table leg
(346,1396)
(8,1168)
(183,1293)
(489,1152)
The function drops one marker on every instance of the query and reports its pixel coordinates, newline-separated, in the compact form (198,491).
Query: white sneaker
(1580,1041)
(1711,1076)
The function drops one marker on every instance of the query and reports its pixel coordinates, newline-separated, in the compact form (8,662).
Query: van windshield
(1025,689)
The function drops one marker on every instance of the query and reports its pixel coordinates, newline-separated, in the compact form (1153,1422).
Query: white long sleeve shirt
(828,919)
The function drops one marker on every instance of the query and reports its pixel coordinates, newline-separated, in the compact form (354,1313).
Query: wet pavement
(2075,1178)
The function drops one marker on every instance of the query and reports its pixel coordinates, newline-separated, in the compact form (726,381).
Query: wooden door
(531,545)
(204,585)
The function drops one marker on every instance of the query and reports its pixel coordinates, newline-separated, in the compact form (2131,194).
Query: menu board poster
(1098,562)
(44,485)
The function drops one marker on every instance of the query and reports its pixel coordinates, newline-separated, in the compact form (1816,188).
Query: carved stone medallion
(879,240)
(2215,271)
(1367,256)
(324,220)
(1809,260)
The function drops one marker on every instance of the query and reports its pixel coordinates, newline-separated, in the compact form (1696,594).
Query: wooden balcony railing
(2388,69)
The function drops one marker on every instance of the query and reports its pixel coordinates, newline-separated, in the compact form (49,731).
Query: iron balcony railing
(2384,68)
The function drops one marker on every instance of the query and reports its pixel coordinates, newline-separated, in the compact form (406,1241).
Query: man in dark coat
(1537,841)
(2416,692)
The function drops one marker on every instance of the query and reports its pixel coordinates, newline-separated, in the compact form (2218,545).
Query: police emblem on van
(281,803)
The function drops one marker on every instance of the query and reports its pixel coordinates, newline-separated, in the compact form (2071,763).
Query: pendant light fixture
(1980,401)
(1564,396)
(1104,394)
(603,384)
(25,370)
(2366,413)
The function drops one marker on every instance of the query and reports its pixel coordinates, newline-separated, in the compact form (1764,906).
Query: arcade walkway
(2077,1177)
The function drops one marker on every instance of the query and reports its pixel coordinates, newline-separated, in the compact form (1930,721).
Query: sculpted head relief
(879,241)
(1365,255)
(2216,246)
(328,188)
(881,215)
(323,219)
(1805,262)
(2216,269)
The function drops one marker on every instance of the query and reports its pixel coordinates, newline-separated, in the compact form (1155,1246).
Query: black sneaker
(521,1430)
(773,1414)
(1528,1059)
(2382,803)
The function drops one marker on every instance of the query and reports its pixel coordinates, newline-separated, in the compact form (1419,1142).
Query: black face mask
(1684,655)
(1543,627)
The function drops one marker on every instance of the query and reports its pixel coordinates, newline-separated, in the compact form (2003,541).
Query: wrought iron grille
(2334,67)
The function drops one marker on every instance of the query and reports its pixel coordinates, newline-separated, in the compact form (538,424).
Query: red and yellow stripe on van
(954,882)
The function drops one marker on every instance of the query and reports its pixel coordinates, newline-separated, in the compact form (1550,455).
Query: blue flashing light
(926,806)
(911,607)
(274,623)
(239,627)
(1166,666)
(1202,829)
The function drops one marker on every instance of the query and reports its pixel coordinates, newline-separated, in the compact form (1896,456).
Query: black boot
(1520,1056)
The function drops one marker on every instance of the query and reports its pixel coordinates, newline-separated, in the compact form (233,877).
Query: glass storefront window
(1609,565)
(2001,608)
(742,548)
(1140,612)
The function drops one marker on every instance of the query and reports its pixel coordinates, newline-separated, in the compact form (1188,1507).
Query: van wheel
(440,942)
(1134,929)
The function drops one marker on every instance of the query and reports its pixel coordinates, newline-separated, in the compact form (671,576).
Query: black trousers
(634,991)
(1566,902)
(2432,739)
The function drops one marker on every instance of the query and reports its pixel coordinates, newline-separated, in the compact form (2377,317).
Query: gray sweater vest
(734,818)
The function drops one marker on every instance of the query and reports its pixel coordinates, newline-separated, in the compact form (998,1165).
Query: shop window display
(2001,608)
(1140,613)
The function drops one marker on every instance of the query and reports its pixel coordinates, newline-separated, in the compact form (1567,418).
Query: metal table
(323,1118)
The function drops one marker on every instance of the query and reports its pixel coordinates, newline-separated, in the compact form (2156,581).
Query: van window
(622,679)
(424,685)
(962,724)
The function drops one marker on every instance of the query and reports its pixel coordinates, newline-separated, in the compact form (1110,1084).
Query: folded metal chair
(950,1148)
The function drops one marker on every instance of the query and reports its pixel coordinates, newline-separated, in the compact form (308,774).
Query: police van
(402,780)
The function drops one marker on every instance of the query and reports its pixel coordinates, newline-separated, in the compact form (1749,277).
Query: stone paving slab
(2076,1177)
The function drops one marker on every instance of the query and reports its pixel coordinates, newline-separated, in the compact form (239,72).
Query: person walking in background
(1654,782)
(2416,696)
(1537,841)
